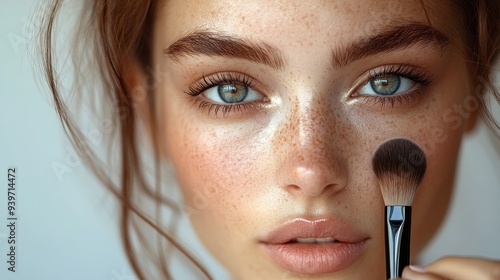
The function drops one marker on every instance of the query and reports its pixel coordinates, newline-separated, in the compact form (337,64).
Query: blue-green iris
(386,85)
(232,93)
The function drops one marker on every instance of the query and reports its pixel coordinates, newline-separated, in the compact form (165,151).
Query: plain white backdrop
(67,229)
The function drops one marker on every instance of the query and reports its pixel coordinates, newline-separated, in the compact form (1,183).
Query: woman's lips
(314,246)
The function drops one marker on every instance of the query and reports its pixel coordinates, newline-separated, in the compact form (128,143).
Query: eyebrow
(392,38)
(218,44)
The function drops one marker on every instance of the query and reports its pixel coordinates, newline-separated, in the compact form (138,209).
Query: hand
(455,268)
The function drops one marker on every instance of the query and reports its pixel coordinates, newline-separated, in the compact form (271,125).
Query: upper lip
(317,228)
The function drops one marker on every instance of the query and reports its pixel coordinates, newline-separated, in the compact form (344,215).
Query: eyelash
(415,74)
(208,82)
(418,75)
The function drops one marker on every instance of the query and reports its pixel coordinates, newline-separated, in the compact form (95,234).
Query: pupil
(386,85)
(232,93)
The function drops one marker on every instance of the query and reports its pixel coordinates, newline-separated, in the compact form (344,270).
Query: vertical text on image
(11,219)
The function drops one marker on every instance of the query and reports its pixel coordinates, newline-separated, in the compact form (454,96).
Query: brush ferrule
(397,232)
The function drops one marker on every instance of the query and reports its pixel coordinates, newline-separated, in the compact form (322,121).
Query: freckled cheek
(440,141)
(432,200)
(438,129)
(217,171)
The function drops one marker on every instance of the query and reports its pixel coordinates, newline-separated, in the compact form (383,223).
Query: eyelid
(207,81)
(415,73)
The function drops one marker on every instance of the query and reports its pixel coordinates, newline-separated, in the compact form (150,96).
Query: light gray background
(67,229)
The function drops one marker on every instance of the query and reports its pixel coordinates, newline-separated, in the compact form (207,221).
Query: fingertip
(406,273)
(417,268)
(412,271)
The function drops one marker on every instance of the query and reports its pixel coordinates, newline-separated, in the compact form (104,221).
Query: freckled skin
(309,152)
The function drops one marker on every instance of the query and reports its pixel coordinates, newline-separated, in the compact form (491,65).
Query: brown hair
(120,33)
(481,19)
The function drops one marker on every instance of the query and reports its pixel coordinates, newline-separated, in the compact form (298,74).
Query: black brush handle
(397,245)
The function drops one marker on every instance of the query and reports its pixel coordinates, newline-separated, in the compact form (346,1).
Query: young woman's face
(271,112)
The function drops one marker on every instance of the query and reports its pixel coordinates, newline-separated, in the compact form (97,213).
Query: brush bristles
(399,165)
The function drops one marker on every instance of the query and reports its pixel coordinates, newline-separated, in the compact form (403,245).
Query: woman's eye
(230,93)
(388,84)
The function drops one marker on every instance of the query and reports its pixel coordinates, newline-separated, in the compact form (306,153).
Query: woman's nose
(311,152)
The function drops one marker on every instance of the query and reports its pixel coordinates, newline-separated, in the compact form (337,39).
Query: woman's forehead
(303,30)
(298,22)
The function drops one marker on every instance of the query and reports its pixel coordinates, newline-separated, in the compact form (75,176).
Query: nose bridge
(310,160)
(316,125)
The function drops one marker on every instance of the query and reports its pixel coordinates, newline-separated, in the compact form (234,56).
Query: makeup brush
(399,165)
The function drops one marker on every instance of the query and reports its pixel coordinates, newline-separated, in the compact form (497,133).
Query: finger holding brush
(399,165)
(457,268)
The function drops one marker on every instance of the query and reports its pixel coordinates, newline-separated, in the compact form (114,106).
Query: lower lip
(315,258)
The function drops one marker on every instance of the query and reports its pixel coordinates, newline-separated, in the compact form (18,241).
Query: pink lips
(304,257)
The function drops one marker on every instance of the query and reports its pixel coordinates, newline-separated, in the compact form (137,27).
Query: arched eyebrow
(390,39)
(211,43)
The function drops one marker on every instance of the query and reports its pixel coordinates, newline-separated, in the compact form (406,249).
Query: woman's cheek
(441,143)
(437,123)
(441,138)
(219,170)
(433,196)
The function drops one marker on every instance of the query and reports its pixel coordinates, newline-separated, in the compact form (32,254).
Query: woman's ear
(475,107)
(135,80)
(472,120)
